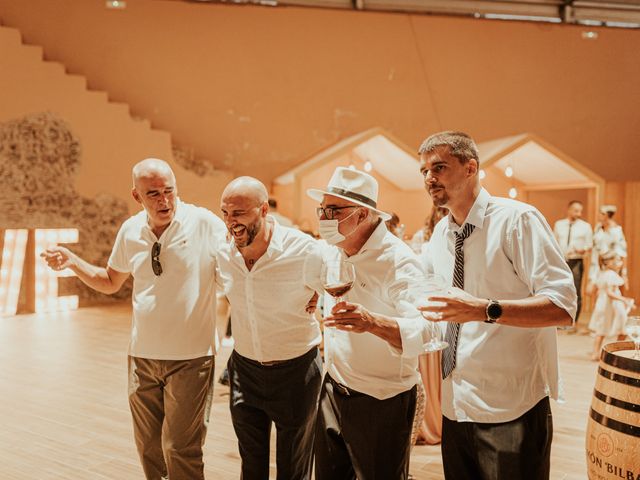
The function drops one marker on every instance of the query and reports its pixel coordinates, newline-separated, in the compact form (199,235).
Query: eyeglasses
(155,263)
(330,212)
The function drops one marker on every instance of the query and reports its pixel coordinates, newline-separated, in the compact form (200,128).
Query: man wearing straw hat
(372,339)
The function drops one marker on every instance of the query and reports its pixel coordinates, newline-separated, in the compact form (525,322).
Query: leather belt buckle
(342,389)
(272,363)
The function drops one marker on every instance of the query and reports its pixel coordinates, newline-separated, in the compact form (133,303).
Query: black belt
(343,389)
(275,363)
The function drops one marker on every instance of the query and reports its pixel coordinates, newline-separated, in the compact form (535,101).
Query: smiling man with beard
(169,248)
(269,274)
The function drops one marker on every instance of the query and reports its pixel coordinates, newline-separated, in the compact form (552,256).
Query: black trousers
(359,436)
(515,450)
(285,394)
(577,268)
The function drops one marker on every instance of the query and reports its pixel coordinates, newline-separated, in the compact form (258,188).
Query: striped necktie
(453,329)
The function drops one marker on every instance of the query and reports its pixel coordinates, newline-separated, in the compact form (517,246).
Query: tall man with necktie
(575,238)
(510,288)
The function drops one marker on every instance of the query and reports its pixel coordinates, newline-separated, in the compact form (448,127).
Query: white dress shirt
(268,316)
(387,274)
(573,236)
(502,371)
(174,313)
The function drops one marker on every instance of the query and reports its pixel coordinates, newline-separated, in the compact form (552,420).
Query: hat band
(355,196)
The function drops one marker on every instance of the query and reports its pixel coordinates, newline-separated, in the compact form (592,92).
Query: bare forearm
(533,312)
(387,329)
(93,276)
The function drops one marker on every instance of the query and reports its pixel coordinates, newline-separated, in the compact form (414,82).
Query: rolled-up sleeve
(539,263)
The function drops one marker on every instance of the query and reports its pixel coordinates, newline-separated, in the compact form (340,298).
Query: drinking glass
(337,278)
(433,285)
(632,329)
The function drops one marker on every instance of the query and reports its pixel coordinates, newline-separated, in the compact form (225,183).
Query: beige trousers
(170,401)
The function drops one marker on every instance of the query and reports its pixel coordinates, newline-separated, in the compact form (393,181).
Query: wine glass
(433,285)
(632,329)
(337,278)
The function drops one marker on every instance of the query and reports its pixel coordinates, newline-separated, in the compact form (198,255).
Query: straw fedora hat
(352,185)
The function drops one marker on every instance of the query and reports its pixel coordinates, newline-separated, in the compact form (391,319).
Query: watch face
(494,310)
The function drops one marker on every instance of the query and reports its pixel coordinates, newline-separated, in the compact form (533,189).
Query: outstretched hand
(58,258)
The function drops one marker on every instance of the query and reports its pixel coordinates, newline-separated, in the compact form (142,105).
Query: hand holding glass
(434,285)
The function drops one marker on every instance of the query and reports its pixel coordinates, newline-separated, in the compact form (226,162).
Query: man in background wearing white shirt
(575,237)
(372,340)
(169,248)
(514,288)
(269,273)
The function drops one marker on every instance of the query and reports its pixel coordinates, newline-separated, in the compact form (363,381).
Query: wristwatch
(493,311)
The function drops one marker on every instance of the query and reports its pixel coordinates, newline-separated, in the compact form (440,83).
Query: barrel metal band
(623,363)
(632,407)
(612,424)
(616,377)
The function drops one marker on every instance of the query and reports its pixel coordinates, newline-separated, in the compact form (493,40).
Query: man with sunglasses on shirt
(169,248)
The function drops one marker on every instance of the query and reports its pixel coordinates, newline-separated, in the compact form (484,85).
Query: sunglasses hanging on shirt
(155,259)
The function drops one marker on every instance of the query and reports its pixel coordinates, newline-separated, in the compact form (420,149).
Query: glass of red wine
(337,278)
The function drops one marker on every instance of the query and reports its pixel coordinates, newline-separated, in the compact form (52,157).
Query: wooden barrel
(613,429)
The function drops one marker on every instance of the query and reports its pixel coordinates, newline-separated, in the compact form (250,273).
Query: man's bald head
(244,209)
(248,188)
(151,167)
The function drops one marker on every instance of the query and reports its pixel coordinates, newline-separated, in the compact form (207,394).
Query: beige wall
(553,203)
(111,141)
(260,89)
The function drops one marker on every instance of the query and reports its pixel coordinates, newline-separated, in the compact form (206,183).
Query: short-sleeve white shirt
(173,313)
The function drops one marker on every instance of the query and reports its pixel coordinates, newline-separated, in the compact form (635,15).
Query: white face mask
(328,230)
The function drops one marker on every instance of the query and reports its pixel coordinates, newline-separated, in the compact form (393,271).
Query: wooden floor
(64,412)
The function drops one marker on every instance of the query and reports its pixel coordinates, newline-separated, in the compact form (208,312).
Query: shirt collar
(477,213)
(178,218)
(276,243)
(376,239)
(277,236)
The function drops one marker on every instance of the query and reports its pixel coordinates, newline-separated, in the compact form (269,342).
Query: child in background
(610,313)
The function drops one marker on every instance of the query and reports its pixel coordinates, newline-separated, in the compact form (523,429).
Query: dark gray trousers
(515,450)
(285,394)
(359,436)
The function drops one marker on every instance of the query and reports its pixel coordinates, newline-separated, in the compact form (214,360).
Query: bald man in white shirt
(169,248)
(269,273)
(372,339)
(511,289)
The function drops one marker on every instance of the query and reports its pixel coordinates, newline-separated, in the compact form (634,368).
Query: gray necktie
(453,329)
